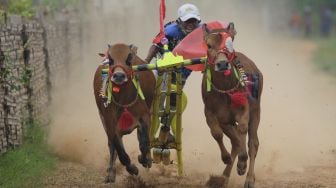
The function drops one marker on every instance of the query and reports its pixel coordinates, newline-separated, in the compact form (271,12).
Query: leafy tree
(21,7)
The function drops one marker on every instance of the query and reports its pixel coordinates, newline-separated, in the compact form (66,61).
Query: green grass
(325,55)
(27,165)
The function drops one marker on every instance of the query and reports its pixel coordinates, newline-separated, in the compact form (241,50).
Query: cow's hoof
(132,169)
(241,167)
(217,182)
(249,184)
(111,175)
(242,163)
(110,178)
(145,161)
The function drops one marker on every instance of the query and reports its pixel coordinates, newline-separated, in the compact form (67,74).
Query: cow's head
(120,58)
(220,48)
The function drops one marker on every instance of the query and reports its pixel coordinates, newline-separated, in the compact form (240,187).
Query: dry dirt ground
(70,174)
(296,132)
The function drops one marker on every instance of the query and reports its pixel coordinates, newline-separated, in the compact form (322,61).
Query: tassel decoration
(238,99)
(125,120)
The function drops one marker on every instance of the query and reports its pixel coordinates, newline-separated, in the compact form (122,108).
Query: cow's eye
(111,61)
(129,59)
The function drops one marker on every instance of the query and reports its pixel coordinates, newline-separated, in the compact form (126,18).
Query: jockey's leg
(184,105)
(185,74)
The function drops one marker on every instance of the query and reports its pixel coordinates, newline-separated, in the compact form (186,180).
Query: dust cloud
(298,106)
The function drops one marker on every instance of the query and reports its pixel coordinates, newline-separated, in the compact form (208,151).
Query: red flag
(159,37)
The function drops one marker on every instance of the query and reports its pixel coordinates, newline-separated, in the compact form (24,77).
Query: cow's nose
(222,65)
(119,76)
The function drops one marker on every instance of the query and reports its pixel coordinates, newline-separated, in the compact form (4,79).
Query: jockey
(188,20)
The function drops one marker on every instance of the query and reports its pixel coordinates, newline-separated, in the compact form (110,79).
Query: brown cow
(231,115)
(120,58)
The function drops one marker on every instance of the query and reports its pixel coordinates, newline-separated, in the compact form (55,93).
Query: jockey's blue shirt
(174,34)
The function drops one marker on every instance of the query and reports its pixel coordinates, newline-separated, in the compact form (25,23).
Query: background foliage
(27,8)
(21,7)
(27,165)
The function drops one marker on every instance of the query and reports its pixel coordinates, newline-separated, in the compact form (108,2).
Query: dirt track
(297,132)
(71,174)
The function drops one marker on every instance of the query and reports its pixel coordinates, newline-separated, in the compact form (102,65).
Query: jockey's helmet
(188,17)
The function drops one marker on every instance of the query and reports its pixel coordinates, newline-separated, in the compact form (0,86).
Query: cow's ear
(205,28)
(231,28)
(134,49)
(206,31)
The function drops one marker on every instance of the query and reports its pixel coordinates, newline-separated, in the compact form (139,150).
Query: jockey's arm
(153,50)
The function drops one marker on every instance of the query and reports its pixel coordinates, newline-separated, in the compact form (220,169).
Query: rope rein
(131,103)
(238,76)
(223,91)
